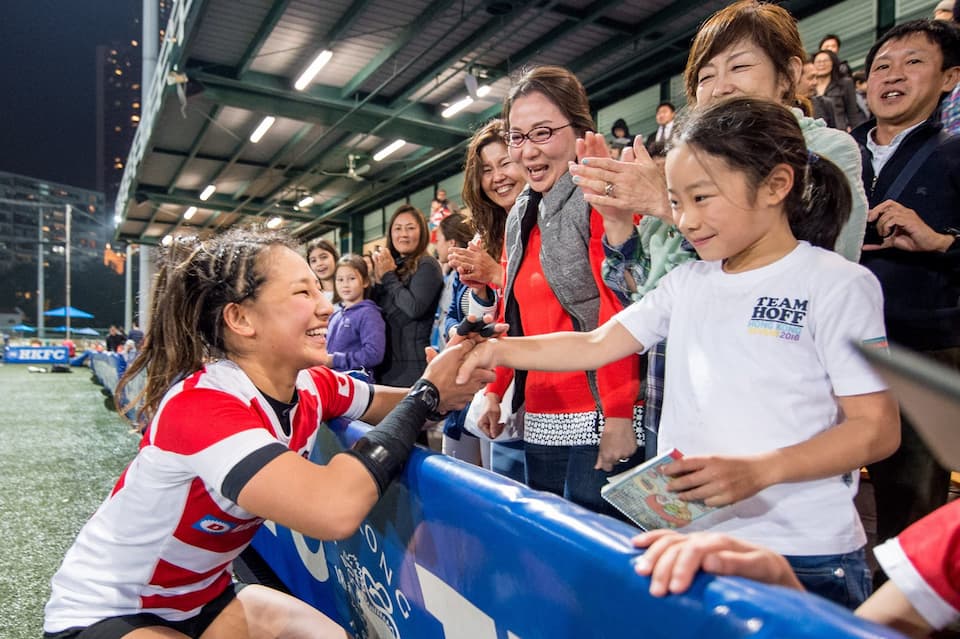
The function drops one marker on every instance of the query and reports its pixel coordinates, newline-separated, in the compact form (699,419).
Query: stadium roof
(226,65)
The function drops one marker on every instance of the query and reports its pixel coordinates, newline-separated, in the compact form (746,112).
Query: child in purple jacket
(356,337)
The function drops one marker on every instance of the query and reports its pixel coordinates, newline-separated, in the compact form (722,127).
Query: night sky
(48,90)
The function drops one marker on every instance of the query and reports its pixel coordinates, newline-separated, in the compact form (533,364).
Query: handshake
(463,359)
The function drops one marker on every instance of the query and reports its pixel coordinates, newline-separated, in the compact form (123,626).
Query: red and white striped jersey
(164,539)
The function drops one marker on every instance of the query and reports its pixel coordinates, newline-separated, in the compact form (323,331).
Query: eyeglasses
(537,135)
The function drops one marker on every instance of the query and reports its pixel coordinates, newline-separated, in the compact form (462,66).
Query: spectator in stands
(322,257)
(620,137)
(822,107)
(578,427)
(950,106)
(129,351)
(491,183)
(409,285)
(837,88)
(356,337)
(944,10)
(831,42)
(135,334)
(860,86)
(440,207)
(115,339)
(783,444)
(766,36)
(666,112)
(921,596)
(456,231)
(235,396)
(913,175)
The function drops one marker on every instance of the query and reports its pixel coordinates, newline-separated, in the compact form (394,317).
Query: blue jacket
(356,337)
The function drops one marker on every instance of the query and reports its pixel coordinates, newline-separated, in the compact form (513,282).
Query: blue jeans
(507,459)
(568,471)
(843,579)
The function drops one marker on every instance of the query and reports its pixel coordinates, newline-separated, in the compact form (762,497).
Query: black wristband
(423,390)
(385,449)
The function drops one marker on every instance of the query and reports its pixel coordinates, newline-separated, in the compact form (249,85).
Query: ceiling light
(312,70)
(274,222)
(262,128)
(387,150)
(189,213)
(456,107)
(483,91)
(305,202)
(207,192)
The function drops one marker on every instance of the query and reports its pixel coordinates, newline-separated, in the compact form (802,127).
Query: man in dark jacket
(912,234)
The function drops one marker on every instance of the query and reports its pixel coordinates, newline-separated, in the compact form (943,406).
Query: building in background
(32,211)
(119,71)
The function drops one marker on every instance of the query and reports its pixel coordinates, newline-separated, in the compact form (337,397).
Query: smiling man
(911,173)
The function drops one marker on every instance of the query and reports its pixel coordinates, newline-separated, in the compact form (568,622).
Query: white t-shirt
(164,539)
(755,362)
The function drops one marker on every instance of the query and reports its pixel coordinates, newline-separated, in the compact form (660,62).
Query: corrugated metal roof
(396,65)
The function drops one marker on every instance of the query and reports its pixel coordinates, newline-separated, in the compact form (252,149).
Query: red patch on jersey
(188,601)
(205,525)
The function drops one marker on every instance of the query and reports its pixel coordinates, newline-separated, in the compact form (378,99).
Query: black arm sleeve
(385,449)
(249,466)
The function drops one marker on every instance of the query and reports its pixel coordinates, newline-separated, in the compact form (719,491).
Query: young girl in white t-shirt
(765,395)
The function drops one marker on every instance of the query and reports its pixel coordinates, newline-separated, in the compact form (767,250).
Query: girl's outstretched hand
(672,560)
(442,372)
(719,481)
(482,356)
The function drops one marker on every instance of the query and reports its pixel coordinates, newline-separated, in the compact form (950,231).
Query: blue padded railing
(454,551)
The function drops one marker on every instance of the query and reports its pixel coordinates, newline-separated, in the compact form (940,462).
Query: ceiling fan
(353,172)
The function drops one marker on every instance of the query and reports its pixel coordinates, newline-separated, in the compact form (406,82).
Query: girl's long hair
(489,218)
(753,135)
(196,279)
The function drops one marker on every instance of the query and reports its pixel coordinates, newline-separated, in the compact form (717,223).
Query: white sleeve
(851,312)
(648,319)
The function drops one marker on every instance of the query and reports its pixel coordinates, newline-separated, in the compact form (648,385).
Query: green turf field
(60,453)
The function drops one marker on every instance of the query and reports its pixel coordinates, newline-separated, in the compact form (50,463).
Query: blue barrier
(452,551)
(36,355)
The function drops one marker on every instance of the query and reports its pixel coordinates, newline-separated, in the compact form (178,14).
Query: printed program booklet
(641,494)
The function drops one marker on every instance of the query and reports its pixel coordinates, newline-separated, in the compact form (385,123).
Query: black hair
(754,135)
(835,63)
(667,104)
(938,32)
(195,281)
(831,36)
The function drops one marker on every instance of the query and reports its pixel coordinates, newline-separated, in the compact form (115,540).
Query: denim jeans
(507,459)
(568,471)
(844,579)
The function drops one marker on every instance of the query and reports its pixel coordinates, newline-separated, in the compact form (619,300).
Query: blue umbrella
(23,328)
(68,311)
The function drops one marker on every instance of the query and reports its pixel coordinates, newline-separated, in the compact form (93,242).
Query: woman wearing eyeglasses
(578,426)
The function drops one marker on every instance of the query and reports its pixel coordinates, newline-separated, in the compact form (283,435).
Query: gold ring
(609,189)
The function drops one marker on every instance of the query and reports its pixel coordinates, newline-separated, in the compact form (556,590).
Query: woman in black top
(408,289)
(838,89)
